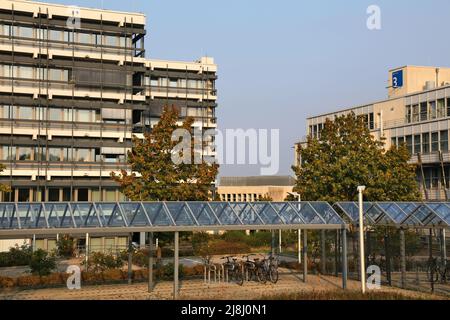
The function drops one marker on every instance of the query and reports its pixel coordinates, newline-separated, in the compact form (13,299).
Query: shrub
(165,272)
(29,281)
(6,282)
(113,275)
(99,262)
(16,256)
(42,263)
(53,279)
(92,277)
(225,247)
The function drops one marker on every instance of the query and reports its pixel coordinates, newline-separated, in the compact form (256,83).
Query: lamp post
(361,239)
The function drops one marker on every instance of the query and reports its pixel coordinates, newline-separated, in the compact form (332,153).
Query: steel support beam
(323,252)
(142,239)
(150,263)
(86,249)
(175,265)
(388,258)
(403,258)
(305,255)
(130,258)
(299,245)
(344,258)
(279,241)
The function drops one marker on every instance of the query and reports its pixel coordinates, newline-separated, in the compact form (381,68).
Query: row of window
(433,177)
(25,72)
(315,130)
(233,197)
(59,114)
(66,36)
(428,110)
(178,83)
(424,143)
(64,194)
(56,154)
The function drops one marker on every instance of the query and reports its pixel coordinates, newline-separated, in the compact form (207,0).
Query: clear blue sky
(282,61)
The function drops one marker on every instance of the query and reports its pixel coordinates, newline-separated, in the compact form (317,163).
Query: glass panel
(435,141)
(54,154)
(84,156)
(426,143)
(417,145)
(157,214)
(444,140)
(54,114)
(24,153)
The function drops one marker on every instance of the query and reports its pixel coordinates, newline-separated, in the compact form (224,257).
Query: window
(68,36)
(53,194)
(417,144)
(95,195)
(110,195)
(401,140)
(444,140)
(24,153)
(425,142)
(40,154)
(110,41)
(54,114)
(55,35)
(84,115)
(409,144)
(371,121)
(448,107)
(24,32)
(42,34)
(25,72)
(55,74)
(125,42)
(441,108)
(415,113)
(408,114)
(433,110)
(67,154)
(84,155)
(67,115)
(434,141)
(6,30)
(84,38)
(54,154)
(5,153)
(110,158)
(423,111)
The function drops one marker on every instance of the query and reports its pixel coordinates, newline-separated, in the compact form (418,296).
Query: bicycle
(249,268)
(433,271)
(272,269)
(233,270)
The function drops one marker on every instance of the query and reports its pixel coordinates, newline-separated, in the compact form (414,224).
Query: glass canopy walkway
(103,217)
(398,214)
(106,217)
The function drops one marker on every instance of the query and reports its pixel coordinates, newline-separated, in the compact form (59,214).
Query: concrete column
(336,254)
(86,249)
(33,245)
(402,258)
(323,252)
(305,254)
(272,249)
(279,241)
(344,259)
(176,263)
(150,263)
(388,258)
(443,248)
(142,239)
(299,245)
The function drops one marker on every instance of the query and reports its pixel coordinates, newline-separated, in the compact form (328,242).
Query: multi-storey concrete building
(417,112)
(75,86)
(247,189)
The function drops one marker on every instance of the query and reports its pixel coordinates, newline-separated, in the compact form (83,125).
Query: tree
(154,176)
(346,156)
(4,187)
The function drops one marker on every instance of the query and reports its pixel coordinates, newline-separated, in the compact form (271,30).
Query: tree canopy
(346,156)
(154,176)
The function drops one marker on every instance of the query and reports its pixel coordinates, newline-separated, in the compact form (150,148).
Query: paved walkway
(190,289)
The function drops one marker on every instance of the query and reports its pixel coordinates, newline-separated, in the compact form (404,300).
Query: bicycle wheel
(273,274)
(261,275)
(239,276)
(432,273)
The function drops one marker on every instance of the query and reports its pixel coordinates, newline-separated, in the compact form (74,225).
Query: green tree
(42,263)
(4,187)
(155,177)
(346,156)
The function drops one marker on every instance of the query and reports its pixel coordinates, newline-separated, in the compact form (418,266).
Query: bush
(53,279)
(165,272)
(113,275)
(225,247)
(92,277)
(99,262)
(6,282)
(41,263)
(29,281)
(16,256)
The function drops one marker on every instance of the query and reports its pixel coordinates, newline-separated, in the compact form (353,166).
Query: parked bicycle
(272,268)
(233,269)
(433,270)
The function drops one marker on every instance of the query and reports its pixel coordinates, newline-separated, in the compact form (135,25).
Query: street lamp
(361,239)
(299,231)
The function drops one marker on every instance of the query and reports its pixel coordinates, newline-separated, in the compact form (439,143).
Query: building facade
(247,189)
(75,86)
(417,113)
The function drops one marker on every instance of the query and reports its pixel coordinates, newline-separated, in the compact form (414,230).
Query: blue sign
(397,79)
